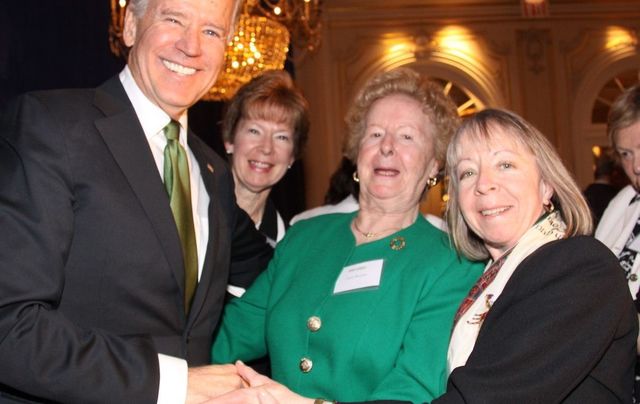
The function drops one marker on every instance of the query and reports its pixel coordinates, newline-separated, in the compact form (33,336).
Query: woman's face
(500,191)
(262,152)
(628,148)
(396,155)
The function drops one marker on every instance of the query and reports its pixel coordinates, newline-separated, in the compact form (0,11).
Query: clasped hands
(236,384)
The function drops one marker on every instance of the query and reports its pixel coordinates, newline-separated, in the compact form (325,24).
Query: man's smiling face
(177,49)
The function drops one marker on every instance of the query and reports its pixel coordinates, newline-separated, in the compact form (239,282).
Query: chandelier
(261,41)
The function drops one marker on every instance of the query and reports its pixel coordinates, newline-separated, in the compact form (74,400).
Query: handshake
(235,384)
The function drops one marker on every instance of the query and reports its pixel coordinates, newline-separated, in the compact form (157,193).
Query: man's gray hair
(139,7)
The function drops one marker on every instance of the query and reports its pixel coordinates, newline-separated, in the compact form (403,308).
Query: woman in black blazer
(550,320)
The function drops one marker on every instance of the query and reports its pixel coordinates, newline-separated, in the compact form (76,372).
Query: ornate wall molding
(547,69)
(534,43)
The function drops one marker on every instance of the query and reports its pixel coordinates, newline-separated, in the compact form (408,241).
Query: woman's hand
(211,381)
(261,390)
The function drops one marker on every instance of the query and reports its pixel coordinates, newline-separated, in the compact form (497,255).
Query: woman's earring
(228,151)
(432,182)
(548,207)
(355,176)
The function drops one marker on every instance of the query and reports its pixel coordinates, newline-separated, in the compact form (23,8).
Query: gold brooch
(397,243)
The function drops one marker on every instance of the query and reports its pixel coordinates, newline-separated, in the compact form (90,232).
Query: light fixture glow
(618,37)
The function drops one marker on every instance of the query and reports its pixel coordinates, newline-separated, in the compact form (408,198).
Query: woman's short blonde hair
(624,112)
(567,197)
(440,110)
(271,96)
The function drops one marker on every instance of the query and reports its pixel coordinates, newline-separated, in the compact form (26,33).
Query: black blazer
(90,259)
(563,330)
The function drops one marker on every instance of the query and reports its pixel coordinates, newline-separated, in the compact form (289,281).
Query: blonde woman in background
(265,130)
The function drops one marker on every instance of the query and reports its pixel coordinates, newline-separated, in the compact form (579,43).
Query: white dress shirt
(615,227)
(173,371)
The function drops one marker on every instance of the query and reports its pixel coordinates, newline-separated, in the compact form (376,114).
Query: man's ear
(129,30)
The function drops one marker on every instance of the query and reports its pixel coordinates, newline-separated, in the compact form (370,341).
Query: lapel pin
(397,243)
(210,167)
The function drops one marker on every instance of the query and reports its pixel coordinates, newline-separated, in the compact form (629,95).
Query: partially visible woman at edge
(619,228)
(553,321)
(349,306)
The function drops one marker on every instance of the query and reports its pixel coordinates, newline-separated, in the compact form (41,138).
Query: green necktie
(176,181)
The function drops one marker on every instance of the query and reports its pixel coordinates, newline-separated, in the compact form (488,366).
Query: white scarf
(465,332)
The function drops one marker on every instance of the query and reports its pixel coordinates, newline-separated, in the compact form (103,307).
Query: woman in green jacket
(349,308)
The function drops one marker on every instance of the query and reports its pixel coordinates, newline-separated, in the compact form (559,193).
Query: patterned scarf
(483,295)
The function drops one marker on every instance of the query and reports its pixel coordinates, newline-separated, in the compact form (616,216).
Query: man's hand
(210,381)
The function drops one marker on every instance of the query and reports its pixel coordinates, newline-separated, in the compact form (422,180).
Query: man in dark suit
(94,297)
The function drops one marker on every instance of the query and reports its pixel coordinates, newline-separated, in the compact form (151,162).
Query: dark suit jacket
(563,330)
(90,259)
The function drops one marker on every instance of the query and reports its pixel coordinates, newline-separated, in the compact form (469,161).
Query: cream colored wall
(549,70)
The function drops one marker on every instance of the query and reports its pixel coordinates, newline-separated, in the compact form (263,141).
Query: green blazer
(388,341)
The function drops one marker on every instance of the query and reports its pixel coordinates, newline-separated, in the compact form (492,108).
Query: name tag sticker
(359,276)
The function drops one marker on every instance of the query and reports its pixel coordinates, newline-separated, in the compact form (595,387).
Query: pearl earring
(355,176)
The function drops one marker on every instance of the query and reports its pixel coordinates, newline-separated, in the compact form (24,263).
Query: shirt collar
(152,118)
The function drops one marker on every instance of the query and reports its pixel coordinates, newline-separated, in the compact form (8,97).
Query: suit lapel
(207,171)
(123,134)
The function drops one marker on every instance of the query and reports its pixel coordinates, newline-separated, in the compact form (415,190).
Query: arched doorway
(599,89)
